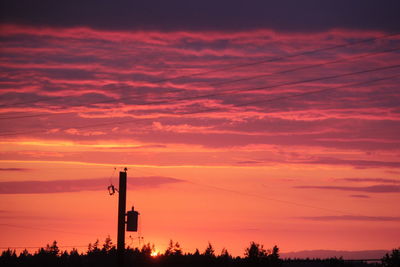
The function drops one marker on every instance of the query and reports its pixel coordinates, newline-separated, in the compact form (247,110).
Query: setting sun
(155,253)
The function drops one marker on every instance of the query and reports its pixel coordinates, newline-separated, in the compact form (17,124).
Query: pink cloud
(368,180)
(360,196)
(86,82)
(352,218)
(61,186)
(367,189)
(14,169)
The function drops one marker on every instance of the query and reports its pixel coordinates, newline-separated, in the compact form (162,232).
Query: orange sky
(300,151)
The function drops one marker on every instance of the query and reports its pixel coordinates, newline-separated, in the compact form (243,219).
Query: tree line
(106,254)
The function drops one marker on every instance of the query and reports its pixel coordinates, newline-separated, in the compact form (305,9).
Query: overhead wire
(235,66)
(278,58)
(194,183)
(41,246)
(213,84)
(46,230)
(341,60)
(261,196)
(236,105)
(233,91)
(274,199)
(41,229)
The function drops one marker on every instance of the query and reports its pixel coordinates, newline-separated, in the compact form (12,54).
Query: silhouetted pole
(121,218)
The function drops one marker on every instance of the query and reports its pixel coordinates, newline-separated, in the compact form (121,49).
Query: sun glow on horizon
(155,253)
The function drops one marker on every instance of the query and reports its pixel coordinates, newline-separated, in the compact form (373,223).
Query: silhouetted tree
(274,256)
(225,253)
(209,252)
(392,259)
(75,259)
(93,248)
(108,245)
(147,249)
(255,255)
(48,256)
(64,257)
(255,251)
(225,259)
(8,258)
(275,252)
(177,249)
(24,255)
(173,249)
(74,253)
(53,249)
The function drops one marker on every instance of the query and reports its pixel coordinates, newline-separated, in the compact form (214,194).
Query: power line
(274,59)
(263,197)
(41,246)
(219,109)
(346,59)
(274,199)
(304,94)
(42,229)
(224,92)
(281,57)
(31,101)
(220,83)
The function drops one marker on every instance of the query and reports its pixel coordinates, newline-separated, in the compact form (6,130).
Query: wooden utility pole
(121,219)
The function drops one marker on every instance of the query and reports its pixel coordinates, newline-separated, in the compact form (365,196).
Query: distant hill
(348,255)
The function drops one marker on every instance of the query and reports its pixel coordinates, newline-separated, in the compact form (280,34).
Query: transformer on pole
(132,220)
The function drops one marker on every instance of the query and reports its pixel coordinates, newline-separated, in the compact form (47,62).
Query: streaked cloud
(325,254)
(355,162)
(352,218)
(360,196)
(84,92)
(14,169)
(377,180)
(62,186)
(366,189)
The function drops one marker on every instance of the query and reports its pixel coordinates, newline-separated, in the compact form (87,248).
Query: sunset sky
(269,122)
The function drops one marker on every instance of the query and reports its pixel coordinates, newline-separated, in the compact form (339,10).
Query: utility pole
(132,217)
(121,219)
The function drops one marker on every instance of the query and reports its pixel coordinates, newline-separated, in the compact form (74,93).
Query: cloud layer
(13,169)
(366,189)
(245,90)
(368,180)
(353,218)
(62,186)
(306,16)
